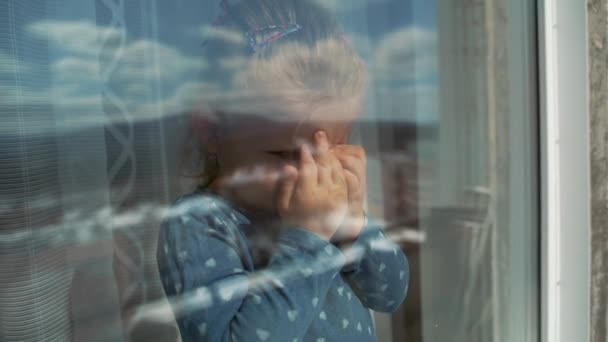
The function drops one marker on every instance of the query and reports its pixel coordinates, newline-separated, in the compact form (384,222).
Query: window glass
(163,179)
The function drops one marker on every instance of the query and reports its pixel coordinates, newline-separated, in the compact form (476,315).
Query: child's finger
(336,167)
(349,162)
(337,171)
(322,157)
(286,188)
(352,164)
(353,186)
(353,150)
(308,168)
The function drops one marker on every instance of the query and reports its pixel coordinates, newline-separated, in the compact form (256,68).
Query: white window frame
(565,176)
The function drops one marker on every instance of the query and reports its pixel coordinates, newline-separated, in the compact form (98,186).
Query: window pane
(154,183)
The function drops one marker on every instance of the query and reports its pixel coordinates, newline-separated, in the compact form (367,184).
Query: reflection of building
(403,187)
(401,164)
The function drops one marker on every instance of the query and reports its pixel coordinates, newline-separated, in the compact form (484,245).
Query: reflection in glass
(112,110)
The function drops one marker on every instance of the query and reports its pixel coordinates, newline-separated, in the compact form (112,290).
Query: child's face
(252,153)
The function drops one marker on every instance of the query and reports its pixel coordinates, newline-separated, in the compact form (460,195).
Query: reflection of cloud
(147,75)
(79,37)
(80,42)
(408,54)
(76,68)
(88,226)
(188,96)
(210,32)
(408,103)
(154,79)
(140,58)
(346,5)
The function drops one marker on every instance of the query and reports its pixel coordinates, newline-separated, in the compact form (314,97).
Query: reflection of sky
(389,15)
(163,43)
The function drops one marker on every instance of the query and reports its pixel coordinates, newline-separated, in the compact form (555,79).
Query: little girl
(274,245)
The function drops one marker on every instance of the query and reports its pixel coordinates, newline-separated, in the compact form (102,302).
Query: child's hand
(353,161)
(314,196)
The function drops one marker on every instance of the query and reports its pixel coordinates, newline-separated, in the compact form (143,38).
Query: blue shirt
(309,290)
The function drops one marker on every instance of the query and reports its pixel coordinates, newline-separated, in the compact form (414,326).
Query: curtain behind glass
(480,274)
(57,280)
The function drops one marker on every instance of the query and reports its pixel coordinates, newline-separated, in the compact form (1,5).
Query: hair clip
(278,32)
(272,32)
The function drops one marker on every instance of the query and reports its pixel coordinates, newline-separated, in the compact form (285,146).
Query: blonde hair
(295,74)
(330,70)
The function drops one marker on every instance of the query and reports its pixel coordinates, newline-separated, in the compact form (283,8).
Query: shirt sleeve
(377,270)
(215,299)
